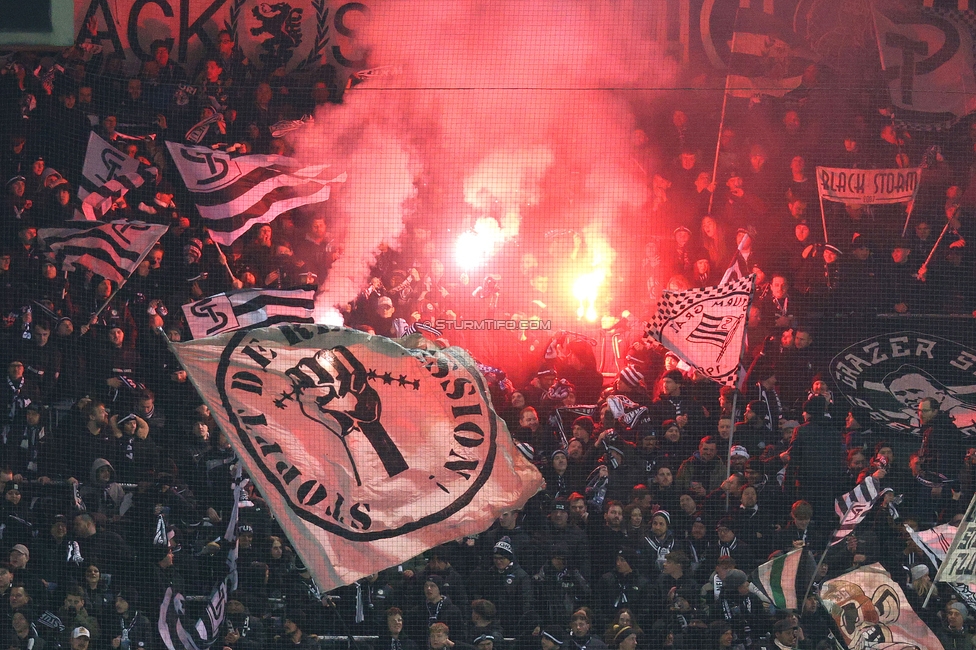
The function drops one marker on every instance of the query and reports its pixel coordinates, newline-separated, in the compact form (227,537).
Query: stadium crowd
(654,515)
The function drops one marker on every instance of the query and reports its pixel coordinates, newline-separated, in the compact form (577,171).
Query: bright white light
(328,316)
(474,247)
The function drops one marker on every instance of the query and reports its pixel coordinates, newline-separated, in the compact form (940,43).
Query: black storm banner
(368,453)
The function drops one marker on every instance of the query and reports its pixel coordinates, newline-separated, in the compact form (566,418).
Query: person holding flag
(815,457)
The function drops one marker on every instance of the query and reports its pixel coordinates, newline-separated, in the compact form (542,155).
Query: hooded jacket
(105,498)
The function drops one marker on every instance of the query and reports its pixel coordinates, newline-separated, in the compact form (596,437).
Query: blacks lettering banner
(296,34)
(867,185)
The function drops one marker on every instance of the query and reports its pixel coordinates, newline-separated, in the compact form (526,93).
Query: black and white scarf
(729,548)
(16,401)
(660,548)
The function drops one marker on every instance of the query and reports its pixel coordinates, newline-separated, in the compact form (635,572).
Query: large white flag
(234,192)
(706,327)
(367,453)
(248,308)
(927,57)
(103,163)
(934,542)
(871,610)
(112,250)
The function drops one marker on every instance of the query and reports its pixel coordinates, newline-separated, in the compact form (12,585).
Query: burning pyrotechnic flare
(585,290)
(474,247)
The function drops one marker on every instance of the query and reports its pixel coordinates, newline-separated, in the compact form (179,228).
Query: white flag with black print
(112,250)
(107,176)
(367,453)
(935,543)
(233,192)
(248,308)
(706,327)
(960,560)
(103,200)
(852,507)
(103,163)
(870,611)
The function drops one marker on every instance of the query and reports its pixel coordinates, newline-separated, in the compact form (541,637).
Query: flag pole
(813,577)
(728,459)
(718,142)
(908,216)
(223,258)
(823,215)
(721,121)
(738,385)
(911,204)
(925,265)
(728,463)
(142,257)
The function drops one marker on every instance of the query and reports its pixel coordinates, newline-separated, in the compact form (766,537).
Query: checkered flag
(706,327)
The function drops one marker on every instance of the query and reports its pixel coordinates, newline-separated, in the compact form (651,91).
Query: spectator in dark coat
(741,609)
(815,457)
(129,623)
(394,638)
(580,626)
(560,587)
(436,608)
(105,548)
(943,445)
(508,586)
(623,587)
(558,533)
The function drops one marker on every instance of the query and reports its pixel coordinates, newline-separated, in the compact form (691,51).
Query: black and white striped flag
(248,308)
(854,506)
(706,327)
(202,634)
(112,250)
(738,268)
(103,162)
(102,200)
(234,192)
(767,56)
(106,176)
